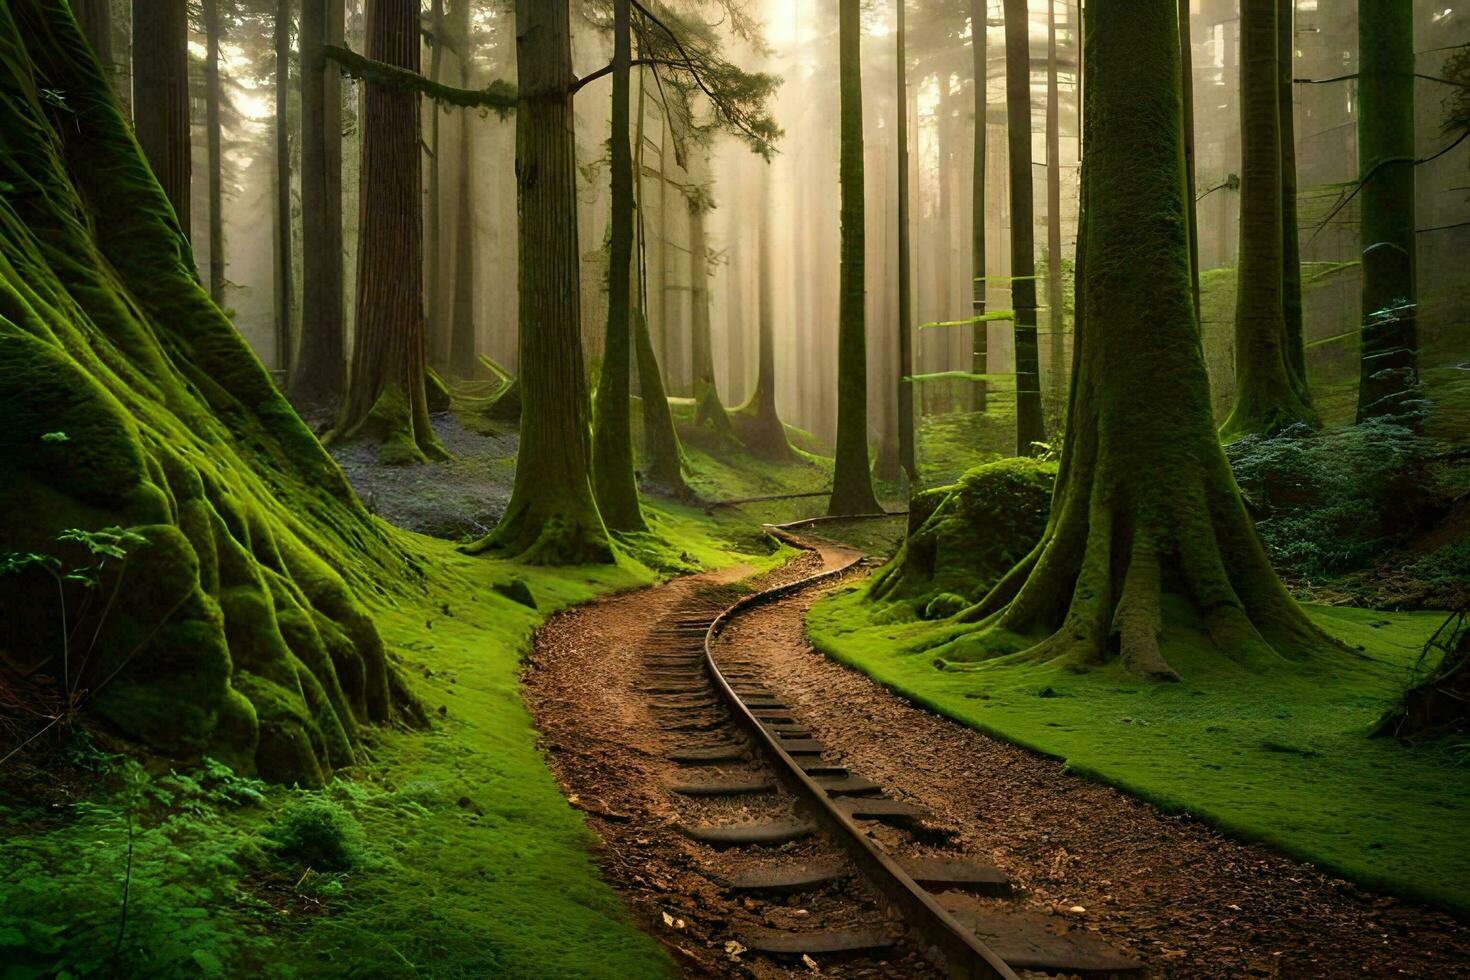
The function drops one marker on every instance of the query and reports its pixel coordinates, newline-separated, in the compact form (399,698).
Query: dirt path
(1167,889)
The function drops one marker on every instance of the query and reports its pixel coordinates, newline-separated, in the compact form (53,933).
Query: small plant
(320,834)
(103,549)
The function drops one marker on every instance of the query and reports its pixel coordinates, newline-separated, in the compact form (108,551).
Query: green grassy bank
(1281,759)
(448,852)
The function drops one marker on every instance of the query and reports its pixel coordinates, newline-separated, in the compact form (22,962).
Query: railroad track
(793,826)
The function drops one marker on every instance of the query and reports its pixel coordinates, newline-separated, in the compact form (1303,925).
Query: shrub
(319,834)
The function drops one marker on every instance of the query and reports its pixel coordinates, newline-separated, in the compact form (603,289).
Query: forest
(734,488)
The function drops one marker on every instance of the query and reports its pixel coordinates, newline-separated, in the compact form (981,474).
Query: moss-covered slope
(129,400)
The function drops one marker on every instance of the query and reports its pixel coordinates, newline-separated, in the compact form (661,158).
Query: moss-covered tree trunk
(852,482)
(463,342)
(1389,361)
(757,421)
(1291,253)
(1030,426)
(907,452)
(1056,319)
(235,632)
(386,400)
(434,303)
(663,462)
(1146,504)
(322,363)
(212,137)
(1186,77)
(1267,394)
(285,274)
(613,480)
(552,517)
(980,344)
(161,97)
(709,410)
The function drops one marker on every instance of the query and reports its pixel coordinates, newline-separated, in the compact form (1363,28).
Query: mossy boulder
(963,538)
(130,401)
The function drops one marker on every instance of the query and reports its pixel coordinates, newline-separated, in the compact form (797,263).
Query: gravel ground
(460,498)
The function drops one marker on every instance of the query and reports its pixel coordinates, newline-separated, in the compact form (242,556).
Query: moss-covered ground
(463,857)
(1283,759)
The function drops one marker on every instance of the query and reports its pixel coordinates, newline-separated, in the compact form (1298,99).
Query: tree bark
(215,156)
(552,517)
(1056,318)
(1030,426)
(386,399)
(95,17)
(1145,502)
(161,97)
(1388,380)
(613,480)
(1186,76)
(1267,397)
(760,427)
(434,305)
(709,411)
(663,463)
(322,365)
(907,454)
(285,285)
(1291,258)
(852,482)
(463,338)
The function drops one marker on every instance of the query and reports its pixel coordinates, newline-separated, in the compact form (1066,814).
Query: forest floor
(1165,887)
(469,860)
(464,859)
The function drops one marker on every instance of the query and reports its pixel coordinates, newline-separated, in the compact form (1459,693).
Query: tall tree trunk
(1389,373)
(386,399)
(552,517)
(980,344)
(613,480)
(285,286)
(463,340)
(950,341)
(1145,502)
(760,427)
(852,483)
(95,18)
(1291,258)
(1186,77)
(321,368)
(215,156)
(1030,426)
(434,305)
(161,97)
(663,463)
(1267,397)
(709,411)
(907,455)
(1056,318)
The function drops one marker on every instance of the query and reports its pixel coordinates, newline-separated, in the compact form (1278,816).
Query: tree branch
(1363,181)
(606,70)
(499,95)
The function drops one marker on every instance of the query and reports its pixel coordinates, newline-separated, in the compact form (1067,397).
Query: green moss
(1372,810)
(318,833)
(172,428)
(963,538)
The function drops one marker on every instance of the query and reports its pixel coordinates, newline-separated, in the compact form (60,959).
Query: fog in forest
(796,194)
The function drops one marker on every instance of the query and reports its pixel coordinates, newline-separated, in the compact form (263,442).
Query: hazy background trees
(469,191)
